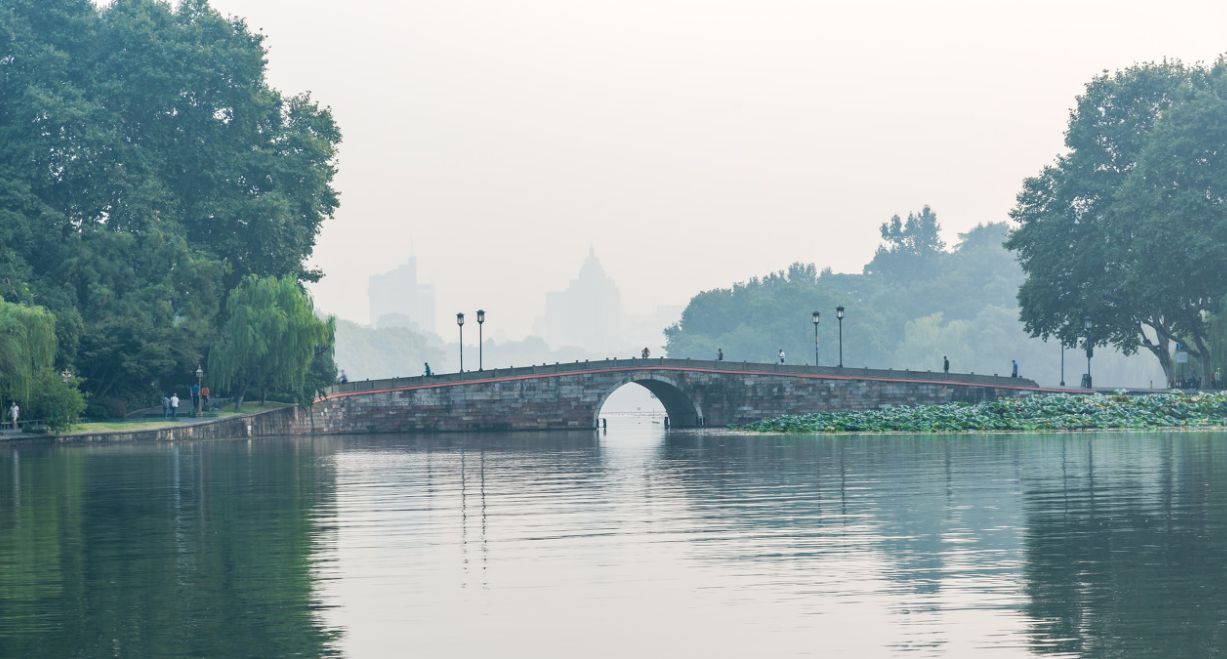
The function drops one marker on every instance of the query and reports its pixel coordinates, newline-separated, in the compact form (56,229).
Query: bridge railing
(358,386)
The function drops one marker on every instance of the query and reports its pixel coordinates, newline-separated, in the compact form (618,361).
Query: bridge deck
(587,366)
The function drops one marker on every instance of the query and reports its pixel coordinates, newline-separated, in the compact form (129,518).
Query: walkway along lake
(636,542)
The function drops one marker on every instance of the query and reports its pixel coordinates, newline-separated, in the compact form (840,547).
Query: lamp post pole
(1062,364)
(816,315)
(481,319)
(199,398)
(460,324)
(839,313)
(1090,350)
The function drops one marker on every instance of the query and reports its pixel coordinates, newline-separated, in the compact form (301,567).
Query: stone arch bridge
(694,394)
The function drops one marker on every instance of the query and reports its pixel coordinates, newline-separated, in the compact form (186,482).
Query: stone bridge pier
(693,393)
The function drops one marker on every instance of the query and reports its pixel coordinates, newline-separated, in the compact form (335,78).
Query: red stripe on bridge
(699,370)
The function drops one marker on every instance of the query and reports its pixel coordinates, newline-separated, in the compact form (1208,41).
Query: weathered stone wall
(568,397)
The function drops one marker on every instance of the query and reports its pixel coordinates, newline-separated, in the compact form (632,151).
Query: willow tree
(269,339)
(27,346)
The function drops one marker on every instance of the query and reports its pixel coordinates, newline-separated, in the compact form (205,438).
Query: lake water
(631,543)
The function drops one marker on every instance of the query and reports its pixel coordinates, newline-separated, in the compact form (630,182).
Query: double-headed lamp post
(1090,350)
(460,323)
(481,319)
(839,313)
(199,398)
(816,315)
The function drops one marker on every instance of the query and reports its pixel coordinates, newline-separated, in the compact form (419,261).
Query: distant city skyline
(695,145)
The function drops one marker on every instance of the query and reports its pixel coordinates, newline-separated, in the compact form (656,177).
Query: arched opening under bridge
(678,406)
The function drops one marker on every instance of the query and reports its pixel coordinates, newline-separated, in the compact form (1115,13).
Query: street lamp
(1090,350)
(460,323)
(199,398)
(839,313)
(481,318)
(816,315)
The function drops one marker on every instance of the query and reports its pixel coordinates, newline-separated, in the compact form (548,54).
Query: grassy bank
(1039,412)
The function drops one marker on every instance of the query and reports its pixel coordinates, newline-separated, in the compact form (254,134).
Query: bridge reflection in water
(694,393)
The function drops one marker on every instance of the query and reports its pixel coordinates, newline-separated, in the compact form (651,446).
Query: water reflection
(636,542)
(182,550)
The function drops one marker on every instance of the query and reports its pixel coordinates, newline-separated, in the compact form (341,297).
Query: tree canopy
(1129,228)
(146,169)
(270,339)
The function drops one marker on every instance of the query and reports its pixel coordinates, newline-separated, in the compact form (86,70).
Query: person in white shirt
(174,406)
(781,355)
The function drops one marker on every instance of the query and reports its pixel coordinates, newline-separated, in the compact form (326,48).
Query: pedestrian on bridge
(719,354)
(1013,368)
(428,373)
(945,365)
(781,355)
(646,353)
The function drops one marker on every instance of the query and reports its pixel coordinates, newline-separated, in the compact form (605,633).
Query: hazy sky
(693,144)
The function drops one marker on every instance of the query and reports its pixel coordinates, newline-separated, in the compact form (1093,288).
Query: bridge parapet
(698,365)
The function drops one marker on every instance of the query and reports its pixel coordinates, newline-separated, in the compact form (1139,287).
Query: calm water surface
(634,543)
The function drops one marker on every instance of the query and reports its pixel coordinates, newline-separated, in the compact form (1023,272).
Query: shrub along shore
(1037,412)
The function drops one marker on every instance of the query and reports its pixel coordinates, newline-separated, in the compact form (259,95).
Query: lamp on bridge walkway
(460,323)
(839,313)
(816,315)
(481,318)
(1090,350)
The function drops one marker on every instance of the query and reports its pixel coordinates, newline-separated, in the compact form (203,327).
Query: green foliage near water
(146,169)
(1038,412)
(270,341)
(1128,228)
(915,302)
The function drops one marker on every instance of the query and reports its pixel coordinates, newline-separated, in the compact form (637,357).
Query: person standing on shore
(205,394)
(165,407)
(174,405)
(14,412)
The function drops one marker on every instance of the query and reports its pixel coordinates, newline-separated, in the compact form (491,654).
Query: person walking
(165,407)
(195,394)
(781,355)
(428,372)
(205,394)
(1013,368)
(646,353)
(174,405)
(14,413)
(719,354)
(945,365)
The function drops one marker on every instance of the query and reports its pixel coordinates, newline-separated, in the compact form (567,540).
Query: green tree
(911,247)
(146,168)
(27,347)
(1128,228)
(269,340)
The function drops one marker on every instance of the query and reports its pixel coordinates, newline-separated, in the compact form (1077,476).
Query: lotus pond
(1037,412)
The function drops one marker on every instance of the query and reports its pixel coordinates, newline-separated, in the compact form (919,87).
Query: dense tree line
(146,170)
(916,302)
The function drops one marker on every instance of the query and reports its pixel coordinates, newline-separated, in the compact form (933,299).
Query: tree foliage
(146,168)
(269,341)
(960,304)
(27,347)
(1129,228)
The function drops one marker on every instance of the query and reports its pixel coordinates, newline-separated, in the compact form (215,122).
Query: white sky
(693,144)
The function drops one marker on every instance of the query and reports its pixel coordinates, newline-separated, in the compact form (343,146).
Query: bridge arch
(682,410)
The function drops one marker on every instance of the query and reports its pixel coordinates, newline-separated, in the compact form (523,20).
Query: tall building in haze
(588,314)
(397,299)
